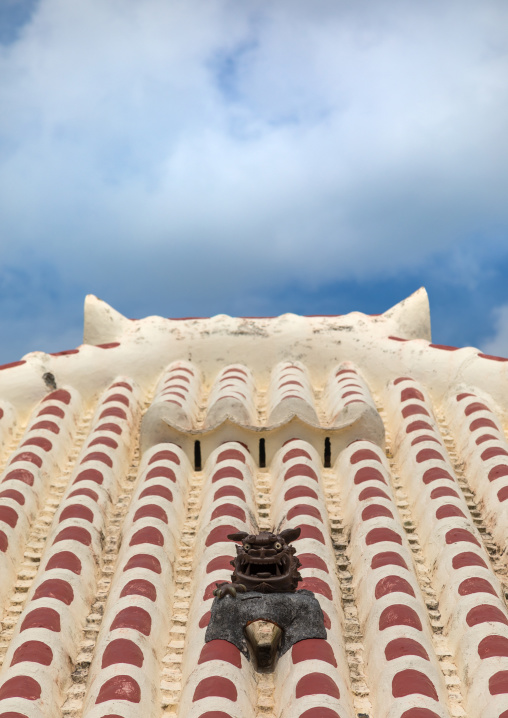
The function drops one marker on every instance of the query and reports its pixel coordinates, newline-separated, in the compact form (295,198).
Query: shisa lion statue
(264,587)
(264,562)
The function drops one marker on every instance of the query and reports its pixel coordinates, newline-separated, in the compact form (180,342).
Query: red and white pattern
(233,395)
(38,662)
(218,679)
(125,674)
(43,449)
(179,391)
(470,596)
(401,665)
(482,445)
(290,392)
(311,678)
(345,387)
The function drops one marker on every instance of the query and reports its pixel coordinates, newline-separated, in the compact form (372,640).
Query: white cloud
(233,145)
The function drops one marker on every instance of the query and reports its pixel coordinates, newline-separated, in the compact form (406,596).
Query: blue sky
(190,158)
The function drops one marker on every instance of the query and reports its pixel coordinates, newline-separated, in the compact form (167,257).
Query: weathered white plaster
(146,346)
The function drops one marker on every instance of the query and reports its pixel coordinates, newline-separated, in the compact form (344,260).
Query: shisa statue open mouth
(264,562)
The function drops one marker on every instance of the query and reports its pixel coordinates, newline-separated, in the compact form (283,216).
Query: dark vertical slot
(262,455)
(328,453)
(197,456)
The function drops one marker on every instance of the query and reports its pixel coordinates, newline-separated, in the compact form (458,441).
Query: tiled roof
(119,487)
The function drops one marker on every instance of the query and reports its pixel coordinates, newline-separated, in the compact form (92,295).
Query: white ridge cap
(412,315)
(102,323)
(409,319)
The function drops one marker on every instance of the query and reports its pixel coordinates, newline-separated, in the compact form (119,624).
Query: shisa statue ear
(290,534)
(238,536)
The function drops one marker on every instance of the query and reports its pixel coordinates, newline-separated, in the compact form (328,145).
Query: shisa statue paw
(228,588)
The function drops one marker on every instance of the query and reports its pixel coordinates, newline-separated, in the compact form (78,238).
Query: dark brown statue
(264,562)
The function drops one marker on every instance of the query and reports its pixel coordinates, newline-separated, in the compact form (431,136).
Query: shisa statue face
(266,562)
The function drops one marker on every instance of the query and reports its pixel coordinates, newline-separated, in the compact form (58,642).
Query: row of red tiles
(24,482)
(398,644)
(127,658)
(37,663)
(446,530)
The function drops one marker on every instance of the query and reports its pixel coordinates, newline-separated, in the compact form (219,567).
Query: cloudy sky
(193,157)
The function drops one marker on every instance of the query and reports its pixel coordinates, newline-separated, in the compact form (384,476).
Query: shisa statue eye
(246,546)
(278,545)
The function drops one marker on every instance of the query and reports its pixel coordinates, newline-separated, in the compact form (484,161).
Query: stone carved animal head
(266,562)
